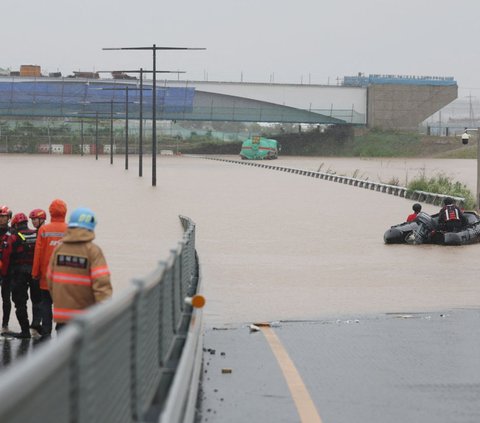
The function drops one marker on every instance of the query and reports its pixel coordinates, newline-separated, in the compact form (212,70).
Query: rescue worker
(78,274)
(5,216)
(417,208)
(17,260)
(38,217)
(48,237)
(450,217)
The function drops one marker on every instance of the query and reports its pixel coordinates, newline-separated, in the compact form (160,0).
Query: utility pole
(471,116)
(154,49)
(465,139)
(141,71)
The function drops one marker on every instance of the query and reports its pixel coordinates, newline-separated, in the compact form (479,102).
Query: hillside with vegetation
(344,141)
(226,138)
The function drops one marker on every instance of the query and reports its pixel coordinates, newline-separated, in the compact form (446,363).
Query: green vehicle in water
(259,148)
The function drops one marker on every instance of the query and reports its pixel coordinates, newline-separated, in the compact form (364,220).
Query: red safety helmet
(38,214)
(5,211)
(19,218)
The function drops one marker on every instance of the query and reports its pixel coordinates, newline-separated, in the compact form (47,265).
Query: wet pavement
(396,368)
(12,349)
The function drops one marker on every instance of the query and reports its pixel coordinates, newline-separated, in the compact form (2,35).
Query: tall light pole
(111,131)
(96,135)
(478,169)
(154,49)
(465,139)
(96,113)
(126,89)
(140,128)
(141,71)
(126,127)
(111,103)
(82,138)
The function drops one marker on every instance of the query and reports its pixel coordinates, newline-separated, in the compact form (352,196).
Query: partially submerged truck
(259,148)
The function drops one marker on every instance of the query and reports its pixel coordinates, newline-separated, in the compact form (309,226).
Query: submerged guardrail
(134,358)
(421,196)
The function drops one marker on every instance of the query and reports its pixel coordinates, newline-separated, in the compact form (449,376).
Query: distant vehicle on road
(259,148)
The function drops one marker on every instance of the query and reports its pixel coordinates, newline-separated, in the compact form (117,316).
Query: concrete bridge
(389,102)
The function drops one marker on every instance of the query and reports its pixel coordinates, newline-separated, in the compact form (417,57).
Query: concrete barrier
(420,196)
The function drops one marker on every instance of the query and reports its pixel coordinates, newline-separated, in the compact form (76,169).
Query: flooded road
(367,331)
(273,246)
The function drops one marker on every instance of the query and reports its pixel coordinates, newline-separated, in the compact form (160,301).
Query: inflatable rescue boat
(424,230)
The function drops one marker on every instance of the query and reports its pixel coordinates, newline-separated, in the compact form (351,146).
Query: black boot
(22,317)
(36,326)
(21,335)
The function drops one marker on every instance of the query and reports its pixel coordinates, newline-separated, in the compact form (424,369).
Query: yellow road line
(303,401)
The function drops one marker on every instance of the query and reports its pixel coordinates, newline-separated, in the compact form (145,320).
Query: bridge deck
(376,368)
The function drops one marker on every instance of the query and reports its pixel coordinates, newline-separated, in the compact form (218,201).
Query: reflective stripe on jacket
(78,274)
(64,314)
(18,249)
(48,237)
(451,213)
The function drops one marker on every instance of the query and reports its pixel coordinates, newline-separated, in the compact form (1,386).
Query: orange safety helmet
(19,218)
(38,214)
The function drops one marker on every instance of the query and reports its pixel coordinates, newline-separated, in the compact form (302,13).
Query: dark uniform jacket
(451,218)
(18,249)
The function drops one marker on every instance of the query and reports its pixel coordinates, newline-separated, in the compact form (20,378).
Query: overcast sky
(297,41)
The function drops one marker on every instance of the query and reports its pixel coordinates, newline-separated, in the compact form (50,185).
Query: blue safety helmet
(82,218)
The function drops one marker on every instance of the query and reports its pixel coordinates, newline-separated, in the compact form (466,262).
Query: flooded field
(272,245)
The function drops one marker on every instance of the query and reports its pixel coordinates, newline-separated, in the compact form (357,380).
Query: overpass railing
(134,358)
(421,196)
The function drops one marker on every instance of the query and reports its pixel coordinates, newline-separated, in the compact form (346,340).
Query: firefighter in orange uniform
(78,274)
(48,237)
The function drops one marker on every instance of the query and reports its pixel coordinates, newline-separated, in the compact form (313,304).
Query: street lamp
(141,71)
(465,139)
(96,113)
(154,49)
(126,89)
(82,138)
(111,102)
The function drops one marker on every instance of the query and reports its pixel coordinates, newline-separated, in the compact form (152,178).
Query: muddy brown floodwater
(272,245)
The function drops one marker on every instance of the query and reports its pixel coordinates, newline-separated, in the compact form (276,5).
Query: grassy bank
(443,184)
(343,141)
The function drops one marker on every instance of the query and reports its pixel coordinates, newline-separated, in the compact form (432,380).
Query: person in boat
(450,217)
(417,208)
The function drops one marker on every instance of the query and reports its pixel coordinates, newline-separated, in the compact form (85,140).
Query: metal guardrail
(134,358)
(421,196)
